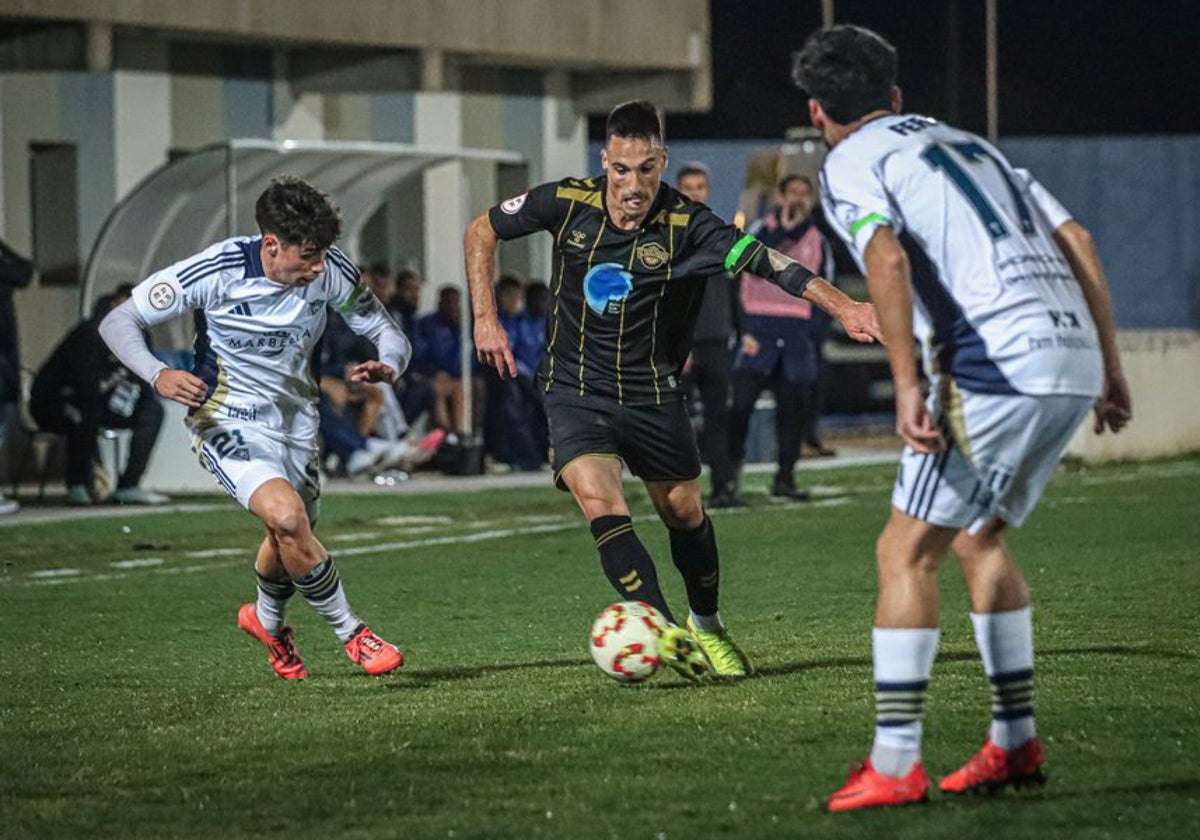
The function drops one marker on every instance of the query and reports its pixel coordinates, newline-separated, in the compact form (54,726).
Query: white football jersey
(995,303)
(255,336)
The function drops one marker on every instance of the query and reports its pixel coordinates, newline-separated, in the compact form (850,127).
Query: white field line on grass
(157,565)
(43,577)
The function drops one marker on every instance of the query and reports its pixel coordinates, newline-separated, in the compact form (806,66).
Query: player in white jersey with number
(260,305)
(1008,298)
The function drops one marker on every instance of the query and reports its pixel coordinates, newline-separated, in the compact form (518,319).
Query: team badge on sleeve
(512,205)
(161,296)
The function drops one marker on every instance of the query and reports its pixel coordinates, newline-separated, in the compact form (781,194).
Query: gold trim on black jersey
(583,317)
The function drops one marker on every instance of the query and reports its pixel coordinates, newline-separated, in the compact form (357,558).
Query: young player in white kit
(1016,330)
(260,306)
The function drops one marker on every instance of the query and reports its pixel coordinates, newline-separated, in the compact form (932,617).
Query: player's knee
(896,556)
(285,519)
(683,514)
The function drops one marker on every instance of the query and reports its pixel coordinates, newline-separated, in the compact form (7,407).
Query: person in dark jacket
(16,272)
(81,389)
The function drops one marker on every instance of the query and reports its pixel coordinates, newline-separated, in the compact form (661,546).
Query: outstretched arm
(1114,408)
(859,319)
(888,279)
(491,340)
(122,330)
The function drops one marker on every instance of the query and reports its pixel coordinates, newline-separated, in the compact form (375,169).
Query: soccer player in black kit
(630,255)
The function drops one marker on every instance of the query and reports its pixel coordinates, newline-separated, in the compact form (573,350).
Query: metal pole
(231,208)
(993,98)
(826,13)
(466,340)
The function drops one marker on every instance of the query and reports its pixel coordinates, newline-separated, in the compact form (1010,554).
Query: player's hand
(861,322)
(181,386)
(1114,408)
(373,371)
(750,345)
(915,424)
(491,346)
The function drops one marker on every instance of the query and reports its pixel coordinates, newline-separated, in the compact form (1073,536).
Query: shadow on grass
(1053,793)
(1184,786)
(454,673)
(1152,651)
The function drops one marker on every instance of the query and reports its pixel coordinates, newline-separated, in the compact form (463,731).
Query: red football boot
(868,788)
(282,648)
(992,768)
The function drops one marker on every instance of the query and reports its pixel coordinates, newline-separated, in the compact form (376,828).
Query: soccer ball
(624,641)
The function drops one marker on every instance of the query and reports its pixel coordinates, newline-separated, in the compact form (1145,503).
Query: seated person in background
(437,357)
(81,389)
(348,410)
(514,428)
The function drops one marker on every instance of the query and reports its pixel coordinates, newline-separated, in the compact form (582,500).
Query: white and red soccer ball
(624,641)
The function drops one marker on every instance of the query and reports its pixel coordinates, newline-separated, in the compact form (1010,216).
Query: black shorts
(656,442)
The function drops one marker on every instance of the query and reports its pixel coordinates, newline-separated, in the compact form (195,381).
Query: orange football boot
(992,768)
(282,648)
(373,653)
(868,788)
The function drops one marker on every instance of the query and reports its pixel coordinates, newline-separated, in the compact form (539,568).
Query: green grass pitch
(132,706)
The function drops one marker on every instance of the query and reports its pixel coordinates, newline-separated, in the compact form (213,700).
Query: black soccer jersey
(624,301)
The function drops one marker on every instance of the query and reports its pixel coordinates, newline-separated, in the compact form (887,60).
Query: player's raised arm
(491,340)
(123,331)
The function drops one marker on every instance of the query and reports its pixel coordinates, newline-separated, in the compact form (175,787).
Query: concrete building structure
(97,94)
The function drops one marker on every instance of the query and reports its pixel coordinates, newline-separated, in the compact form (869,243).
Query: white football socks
(903,659)
(1005,642)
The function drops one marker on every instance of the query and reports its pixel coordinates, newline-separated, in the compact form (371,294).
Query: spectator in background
(361,422)
(437,357)
(717,328)
(16,272)
(382,282)
(406,300)
(514,429)
(778,349)
(413,389)
(81,389)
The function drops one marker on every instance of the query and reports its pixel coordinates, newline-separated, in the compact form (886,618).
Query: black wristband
(794,279)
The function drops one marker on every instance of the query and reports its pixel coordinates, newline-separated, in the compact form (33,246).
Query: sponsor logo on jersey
(270,343)
(161,296)
(576,238)
(512,205)
(605,286)
(652,255)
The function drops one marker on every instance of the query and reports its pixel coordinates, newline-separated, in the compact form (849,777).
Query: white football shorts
(1002,451)
(242,458)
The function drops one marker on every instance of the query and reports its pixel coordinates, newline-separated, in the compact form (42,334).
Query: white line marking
(55,573)
(137,563)
(216,552)
(416,520)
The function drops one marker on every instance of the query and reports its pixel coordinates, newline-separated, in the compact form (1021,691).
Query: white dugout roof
(188,204)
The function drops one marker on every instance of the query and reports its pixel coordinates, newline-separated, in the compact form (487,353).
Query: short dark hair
(636,118)
(298,213)
(794,176)
(850,70)
(692,168)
